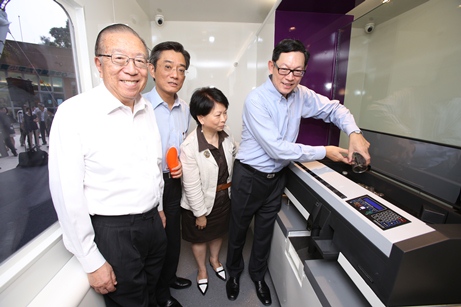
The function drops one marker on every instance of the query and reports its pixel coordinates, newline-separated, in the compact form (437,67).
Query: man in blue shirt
(271,118)
(169,65)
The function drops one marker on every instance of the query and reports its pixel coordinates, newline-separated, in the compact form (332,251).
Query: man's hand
(357,143)
(337,154)
(103,279)
(162,218)
(177,171)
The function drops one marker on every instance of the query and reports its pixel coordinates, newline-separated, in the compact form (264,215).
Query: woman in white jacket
(207,157)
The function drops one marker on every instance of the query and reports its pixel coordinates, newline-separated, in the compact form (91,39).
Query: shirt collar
(109,103)
(157,100)
(271,88)
(203,144)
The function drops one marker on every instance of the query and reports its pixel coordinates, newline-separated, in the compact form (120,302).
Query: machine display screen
(374,204)
(376,212)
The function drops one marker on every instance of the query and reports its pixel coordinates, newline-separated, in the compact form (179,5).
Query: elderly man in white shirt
(106,175)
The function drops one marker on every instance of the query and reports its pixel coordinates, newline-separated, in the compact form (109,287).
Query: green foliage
(60,37)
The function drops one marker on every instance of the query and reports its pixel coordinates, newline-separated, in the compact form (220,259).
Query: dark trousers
(134,245)
(9,144)
(172,210)
(22,138)
(32,134)
(43,132)
(254,194)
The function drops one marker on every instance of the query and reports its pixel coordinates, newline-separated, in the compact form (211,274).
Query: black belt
(167,176)
(128,218)
(259,173)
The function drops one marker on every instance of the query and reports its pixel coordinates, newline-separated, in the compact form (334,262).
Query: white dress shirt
(104,159)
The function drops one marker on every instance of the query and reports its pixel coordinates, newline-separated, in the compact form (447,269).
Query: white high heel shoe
(202,285)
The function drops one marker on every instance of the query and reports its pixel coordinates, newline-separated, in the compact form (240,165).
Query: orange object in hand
(172,158)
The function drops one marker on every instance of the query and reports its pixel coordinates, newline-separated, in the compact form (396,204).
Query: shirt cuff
(199,213)
(319,152)
(351,129)
(92,262)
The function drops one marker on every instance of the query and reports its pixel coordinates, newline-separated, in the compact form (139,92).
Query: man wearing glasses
(106,175)
(170,62)
(271,118)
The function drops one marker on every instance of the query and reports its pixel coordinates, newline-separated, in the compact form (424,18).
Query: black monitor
(433,169)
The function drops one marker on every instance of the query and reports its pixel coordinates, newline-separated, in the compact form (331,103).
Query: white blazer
(200,173)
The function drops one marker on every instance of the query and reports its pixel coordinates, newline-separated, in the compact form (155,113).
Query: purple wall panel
(329,47)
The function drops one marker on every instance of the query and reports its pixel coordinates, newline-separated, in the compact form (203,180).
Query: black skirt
(217,221)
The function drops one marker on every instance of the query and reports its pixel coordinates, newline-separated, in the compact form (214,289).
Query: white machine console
(387,252)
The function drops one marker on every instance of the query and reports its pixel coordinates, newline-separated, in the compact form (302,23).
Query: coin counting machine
(387,237)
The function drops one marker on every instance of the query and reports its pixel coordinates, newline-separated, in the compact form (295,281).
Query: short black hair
(113,28)
(203,101)
(290,45)
(175,46)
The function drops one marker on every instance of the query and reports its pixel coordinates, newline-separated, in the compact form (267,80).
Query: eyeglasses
(168,68)
(122,60)
(286,71)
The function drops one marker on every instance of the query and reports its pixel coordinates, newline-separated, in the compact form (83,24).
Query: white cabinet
(285,266)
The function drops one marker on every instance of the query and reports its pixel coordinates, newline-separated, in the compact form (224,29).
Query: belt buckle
(270,176)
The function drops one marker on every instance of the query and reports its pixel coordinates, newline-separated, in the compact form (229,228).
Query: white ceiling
(255,11)
(251,11)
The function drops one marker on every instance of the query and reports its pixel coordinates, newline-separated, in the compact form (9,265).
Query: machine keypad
(379,214)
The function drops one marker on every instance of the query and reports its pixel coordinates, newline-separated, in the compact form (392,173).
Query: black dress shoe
(263,292)
(232,288)
(181,283)
(171,302)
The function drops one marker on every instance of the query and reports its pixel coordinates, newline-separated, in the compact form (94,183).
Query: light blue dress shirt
(173,124)
(271,126)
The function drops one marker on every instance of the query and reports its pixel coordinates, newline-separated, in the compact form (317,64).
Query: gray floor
(10,161)
(216,294)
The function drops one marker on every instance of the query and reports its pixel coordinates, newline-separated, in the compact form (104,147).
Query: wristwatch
(357,131)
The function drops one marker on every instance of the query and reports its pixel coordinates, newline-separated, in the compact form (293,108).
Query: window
(34,69)
(34,79)
(57,84)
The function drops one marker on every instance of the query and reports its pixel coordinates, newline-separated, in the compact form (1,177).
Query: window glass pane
(2,77)
(46,99)
(34,80)
(57,84)
(45,84)
(57,99)
(36,67)
(4,95)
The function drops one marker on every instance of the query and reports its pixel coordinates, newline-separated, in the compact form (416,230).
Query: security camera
(369,27)
(159,20)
